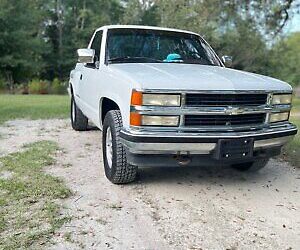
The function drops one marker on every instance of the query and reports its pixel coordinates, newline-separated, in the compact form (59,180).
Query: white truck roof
(144,27)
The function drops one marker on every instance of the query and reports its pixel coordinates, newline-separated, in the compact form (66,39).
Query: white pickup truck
(162,97)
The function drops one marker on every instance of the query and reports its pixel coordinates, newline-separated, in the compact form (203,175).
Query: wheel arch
(106,104)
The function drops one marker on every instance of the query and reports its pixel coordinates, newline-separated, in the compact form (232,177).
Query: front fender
(121,104)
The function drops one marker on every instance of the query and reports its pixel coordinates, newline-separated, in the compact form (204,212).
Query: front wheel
(116,167)
(251,166)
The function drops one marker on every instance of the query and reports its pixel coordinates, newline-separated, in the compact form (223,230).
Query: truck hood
(194,77)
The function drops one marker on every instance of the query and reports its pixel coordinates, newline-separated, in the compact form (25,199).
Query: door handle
(81,77)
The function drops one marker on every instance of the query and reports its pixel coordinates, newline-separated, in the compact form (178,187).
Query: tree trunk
(59,13)
(83,17)
(10,80)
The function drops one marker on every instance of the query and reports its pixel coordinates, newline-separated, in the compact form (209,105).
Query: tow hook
(183,159)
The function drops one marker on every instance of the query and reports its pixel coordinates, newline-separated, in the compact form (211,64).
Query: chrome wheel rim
(73,111)
(109,147)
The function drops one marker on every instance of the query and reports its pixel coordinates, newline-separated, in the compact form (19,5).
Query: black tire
(78,120)
(251,166)
(116,167)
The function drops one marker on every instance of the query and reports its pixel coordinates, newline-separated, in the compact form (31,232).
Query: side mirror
(86,55)
(227,60)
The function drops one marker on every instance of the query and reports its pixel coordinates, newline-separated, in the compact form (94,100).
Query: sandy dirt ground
(167,208)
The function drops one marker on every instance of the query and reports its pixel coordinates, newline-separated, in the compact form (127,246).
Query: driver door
(90,80)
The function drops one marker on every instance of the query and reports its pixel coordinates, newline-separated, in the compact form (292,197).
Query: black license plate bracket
(234,149)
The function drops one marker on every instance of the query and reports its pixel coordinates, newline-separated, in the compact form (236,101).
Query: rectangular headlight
(161,100)
(168,121)
(279,117)
(282,99)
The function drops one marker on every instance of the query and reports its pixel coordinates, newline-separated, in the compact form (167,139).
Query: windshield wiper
(132,58)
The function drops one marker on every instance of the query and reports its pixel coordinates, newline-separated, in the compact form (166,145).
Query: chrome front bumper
(149,142)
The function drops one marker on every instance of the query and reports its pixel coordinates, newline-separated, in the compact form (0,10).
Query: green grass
(29,211)
(291,152)
(33,107)
(296,102)
(296,105)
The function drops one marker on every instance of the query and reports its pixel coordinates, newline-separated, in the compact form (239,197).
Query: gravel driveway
(168,208)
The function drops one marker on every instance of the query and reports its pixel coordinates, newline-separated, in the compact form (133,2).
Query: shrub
(3,85)
(58,87)
(22,89)
(38,87)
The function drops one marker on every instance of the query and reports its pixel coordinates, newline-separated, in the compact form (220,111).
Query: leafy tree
(286,59)
(140,12)
(247,47)
(70,25)
(243,29)
(198,16)
(21,45)
(269,17)
(39,38)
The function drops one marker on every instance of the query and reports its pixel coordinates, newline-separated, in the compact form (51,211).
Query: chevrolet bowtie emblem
(233,111)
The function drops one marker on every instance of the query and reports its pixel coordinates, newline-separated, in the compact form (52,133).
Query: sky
(294,24)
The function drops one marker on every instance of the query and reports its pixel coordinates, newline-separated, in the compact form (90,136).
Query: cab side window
(96,45)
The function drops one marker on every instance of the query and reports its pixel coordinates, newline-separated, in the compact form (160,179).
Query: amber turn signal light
(136,98)
(135,119)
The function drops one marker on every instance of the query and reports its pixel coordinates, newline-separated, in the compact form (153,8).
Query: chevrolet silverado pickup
(162,97)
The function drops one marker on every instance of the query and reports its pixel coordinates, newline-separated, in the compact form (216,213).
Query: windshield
(156,46)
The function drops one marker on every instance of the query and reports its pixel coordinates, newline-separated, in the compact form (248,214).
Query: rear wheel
(78,119)
(116,167)
(251,166)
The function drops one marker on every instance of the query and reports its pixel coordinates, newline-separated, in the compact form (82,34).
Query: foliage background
(39,38)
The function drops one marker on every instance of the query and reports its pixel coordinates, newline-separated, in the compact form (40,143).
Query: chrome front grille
(233,104)
(208,111)
(224,120)
(255,99)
